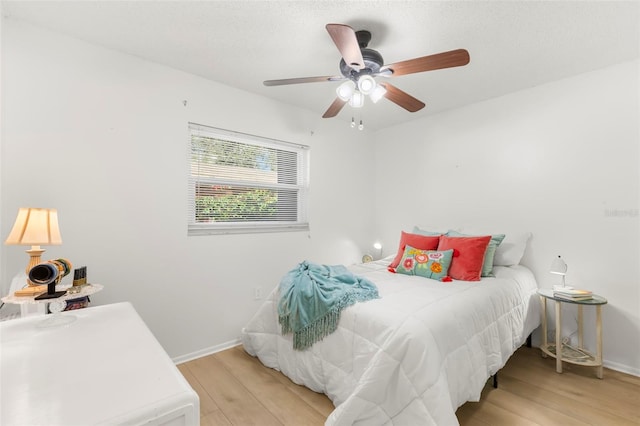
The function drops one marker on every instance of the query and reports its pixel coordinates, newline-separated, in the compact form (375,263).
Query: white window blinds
(241,183)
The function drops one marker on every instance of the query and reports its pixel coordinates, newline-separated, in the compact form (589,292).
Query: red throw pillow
(421,242)
(467,265)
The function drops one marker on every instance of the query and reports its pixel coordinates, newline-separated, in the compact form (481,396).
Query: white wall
(559,160)
(102,137)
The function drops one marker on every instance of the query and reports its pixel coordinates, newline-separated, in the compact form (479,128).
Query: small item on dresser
(79,280)
(50,273)
(79,303)
(80,276)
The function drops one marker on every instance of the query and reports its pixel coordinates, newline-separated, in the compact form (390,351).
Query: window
(241,183)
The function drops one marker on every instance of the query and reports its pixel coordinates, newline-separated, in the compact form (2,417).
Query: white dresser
(104,368)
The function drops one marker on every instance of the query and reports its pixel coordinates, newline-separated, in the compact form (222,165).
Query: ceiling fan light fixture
(357,100)
(345,90)
(361,66)
(366,84)
(378,93)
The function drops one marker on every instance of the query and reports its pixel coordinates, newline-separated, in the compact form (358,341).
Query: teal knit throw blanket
(312,297)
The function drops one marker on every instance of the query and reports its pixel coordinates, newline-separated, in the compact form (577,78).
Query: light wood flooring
(236,389)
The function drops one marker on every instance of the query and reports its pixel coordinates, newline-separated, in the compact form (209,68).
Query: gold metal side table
(574,355)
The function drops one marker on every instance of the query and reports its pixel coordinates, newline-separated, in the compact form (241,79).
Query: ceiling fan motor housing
(372,63)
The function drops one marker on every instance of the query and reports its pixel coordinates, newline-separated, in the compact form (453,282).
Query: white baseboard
(622,368)
(206,351)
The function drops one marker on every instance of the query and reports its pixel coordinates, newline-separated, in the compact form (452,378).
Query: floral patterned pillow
(425,263)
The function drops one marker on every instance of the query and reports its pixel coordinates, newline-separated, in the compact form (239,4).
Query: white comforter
(413,356)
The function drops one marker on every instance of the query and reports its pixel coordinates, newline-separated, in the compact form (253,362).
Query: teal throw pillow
(419,231)
(487,265)
(425,263)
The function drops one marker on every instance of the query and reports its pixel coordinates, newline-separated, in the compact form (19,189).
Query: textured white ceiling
(513,44)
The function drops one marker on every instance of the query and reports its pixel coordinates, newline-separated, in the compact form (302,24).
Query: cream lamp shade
(35,227)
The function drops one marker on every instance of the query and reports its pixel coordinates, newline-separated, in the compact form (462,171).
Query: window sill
(197,230)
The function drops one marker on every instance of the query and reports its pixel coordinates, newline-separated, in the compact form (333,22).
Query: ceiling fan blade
(301,80)
(452,58)
(402,99)
(334,108)
(347,43)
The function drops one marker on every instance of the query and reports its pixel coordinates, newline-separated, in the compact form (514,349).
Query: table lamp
(34,227)
(368,257)
(559,267)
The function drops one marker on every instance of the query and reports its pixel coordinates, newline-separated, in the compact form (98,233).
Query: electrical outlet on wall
(257,293)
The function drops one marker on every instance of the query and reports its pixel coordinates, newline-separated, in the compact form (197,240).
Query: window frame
(245,227)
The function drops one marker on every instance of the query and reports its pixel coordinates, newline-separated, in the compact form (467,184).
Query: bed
(412,356)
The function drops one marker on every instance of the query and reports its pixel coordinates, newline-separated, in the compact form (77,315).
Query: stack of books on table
(574,294)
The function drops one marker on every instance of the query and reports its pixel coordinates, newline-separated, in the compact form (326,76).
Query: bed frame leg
(495,376)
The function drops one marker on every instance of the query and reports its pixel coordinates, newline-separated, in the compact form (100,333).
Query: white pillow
(511,250)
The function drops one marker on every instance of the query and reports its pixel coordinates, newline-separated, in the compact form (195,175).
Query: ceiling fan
(360,65)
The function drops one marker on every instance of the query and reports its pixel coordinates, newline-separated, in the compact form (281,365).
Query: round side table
(26,302)
(574,355)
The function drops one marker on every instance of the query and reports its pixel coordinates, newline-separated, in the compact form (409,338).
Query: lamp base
(30,291)
(562,287)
